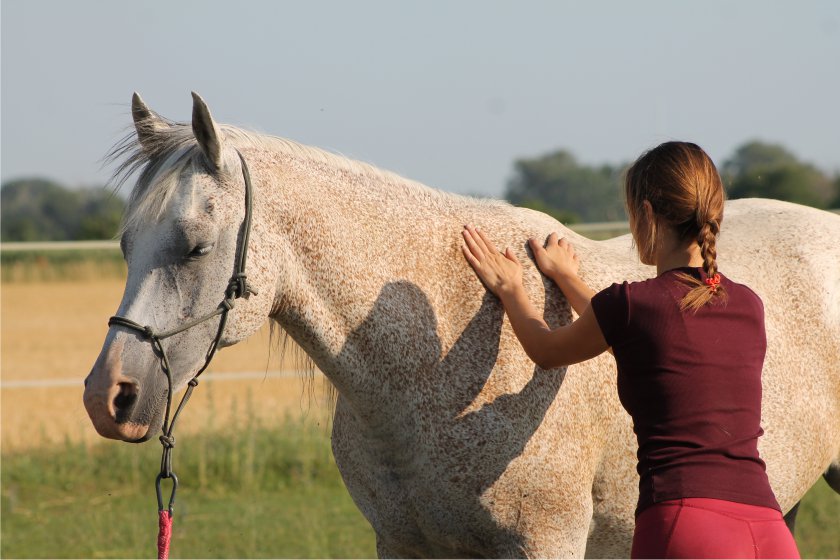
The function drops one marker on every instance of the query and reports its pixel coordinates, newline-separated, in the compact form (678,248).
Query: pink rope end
(164,533)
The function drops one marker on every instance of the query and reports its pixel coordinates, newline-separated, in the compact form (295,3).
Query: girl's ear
(648,230)
(648,210)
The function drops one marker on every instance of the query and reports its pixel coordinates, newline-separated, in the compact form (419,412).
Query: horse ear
(206,132)
(146,122)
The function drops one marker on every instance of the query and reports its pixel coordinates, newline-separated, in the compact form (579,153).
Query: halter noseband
(237,287)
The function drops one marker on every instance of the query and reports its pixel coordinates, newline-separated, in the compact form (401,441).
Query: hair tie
(713,282)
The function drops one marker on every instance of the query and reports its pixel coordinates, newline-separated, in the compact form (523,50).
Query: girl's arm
(501,273)
(558,261)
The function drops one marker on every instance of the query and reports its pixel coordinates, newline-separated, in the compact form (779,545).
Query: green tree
(759,169)
(560,215)
(42,210)
(557,184)
(755,156)
(835,204)
(101,215)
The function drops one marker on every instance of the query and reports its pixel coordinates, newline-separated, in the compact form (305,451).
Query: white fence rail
(600,227)
(58,245)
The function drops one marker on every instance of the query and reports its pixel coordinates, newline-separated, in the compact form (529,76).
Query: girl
(689,346)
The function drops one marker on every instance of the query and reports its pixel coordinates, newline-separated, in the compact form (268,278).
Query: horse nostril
(125,399)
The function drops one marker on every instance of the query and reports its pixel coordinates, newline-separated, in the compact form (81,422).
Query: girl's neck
(673,253)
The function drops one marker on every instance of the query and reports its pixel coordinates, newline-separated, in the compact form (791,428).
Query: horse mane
(172,149)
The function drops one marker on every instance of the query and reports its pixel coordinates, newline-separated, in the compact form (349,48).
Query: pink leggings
(708,528)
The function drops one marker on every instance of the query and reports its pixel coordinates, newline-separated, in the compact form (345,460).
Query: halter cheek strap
(237,287)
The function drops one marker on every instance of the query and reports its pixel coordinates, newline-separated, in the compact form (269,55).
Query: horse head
(183,236)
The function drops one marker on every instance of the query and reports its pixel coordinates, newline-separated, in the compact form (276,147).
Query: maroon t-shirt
(692,384)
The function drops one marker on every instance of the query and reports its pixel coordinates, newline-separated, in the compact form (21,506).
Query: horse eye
(201,250)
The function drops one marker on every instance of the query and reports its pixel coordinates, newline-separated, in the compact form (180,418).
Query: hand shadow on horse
(465,418)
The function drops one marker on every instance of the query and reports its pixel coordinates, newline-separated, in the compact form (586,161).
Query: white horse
(450,441)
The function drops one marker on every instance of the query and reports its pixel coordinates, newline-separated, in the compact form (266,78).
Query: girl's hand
(501,273)
(557,259)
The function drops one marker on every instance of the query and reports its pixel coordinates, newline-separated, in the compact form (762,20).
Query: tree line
(558,184)
(555,183)
(43,210)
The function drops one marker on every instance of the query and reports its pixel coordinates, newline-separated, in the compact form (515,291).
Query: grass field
(246,492)
(258,479)
(62,266)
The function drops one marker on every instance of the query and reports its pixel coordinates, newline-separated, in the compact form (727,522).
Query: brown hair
(683,187)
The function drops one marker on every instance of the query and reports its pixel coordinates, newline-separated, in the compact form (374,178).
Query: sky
(449,93)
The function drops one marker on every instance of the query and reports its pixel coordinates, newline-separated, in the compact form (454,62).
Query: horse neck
(365,247)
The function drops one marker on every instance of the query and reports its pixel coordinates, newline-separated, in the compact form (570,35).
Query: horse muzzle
(111,400)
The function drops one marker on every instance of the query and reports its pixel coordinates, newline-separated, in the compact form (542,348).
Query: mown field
(258,479)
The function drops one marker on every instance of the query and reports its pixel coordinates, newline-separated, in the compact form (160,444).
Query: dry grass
(54,330)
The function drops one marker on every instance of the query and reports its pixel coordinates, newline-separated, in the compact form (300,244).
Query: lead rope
(237,287)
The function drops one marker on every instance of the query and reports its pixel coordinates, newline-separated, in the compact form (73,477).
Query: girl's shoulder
(744,292)
(668,280)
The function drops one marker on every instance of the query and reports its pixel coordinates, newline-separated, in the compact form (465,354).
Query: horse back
(789,255)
